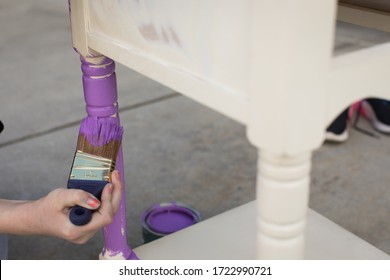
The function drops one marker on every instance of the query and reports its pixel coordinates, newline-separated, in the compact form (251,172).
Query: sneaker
(377,111)
(337,131)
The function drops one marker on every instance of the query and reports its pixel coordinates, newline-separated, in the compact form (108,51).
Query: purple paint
(106,67)
(103,111)
(106,87)
(170,219)
(100,93)
(99,84)
(107,128)
(115,234)
(166,218)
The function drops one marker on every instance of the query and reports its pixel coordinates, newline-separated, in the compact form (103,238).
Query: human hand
(52,211)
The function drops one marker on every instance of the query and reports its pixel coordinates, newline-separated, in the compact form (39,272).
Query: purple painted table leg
(100,93)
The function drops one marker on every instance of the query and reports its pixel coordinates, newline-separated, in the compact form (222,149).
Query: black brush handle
(78,215)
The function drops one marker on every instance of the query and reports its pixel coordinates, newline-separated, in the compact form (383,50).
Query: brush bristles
(100,136)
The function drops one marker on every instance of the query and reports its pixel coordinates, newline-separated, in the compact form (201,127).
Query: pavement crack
(76,123)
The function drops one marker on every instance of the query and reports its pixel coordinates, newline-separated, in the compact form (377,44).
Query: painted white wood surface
(186,45)
(232,235)
(213,52)
(266,64)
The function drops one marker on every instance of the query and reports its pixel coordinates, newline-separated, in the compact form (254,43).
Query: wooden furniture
(266,64)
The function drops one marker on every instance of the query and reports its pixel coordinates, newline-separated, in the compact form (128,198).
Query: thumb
(72,197)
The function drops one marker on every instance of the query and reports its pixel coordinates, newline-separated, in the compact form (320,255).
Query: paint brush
(97,148)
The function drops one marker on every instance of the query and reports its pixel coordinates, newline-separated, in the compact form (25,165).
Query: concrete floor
(175,149)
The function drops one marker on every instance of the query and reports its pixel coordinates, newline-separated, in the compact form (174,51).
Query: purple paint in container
(165,218)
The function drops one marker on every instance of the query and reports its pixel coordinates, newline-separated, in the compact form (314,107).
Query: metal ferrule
(90,167)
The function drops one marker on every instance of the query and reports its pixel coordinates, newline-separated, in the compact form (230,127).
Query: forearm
(17,217)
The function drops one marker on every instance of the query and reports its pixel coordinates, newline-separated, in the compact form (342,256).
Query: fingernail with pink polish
(93,202)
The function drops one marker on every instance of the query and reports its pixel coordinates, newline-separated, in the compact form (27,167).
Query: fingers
(117,192)
(71,197)
(111,195)
(110,200)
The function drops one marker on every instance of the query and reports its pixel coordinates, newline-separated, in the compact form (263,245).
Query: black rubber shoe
(337,131)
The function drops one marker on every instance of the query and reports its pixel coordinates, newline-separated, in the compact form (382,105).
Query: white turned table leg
(282,197)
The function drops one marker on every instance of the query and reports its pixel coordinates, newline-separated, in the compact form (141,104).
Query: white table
(266,64)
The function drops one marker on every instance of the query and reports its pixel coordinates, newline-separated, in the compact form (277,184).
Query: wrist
(16,217)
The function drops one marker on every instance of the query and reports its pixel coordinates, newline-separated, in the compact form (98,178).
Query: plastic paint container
(165,218)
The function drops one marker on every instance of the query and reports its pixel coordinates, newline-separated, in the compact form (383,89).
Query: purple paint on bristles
(101,131)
